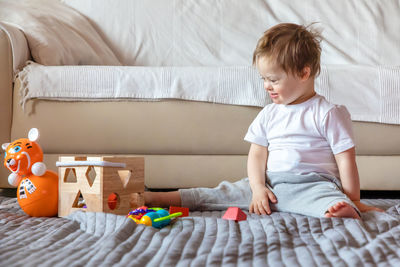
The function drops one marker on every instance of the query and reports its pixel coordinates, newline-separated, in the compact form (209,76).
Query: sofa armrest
(17,48)
(6,78)
(14,53)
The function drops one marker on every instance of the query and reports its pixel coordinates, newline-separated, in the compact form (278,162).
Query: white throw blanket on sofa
(370,93)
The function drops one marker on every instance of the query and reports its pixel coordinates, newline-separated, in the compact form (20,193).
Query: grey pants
(310,194)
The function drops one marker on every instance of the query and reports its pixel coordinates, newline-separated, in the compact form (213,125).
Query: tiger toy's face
(21,154)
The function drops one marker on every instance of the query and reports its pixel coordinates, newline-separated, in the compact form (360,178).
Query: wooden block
(235,214)
(185,211)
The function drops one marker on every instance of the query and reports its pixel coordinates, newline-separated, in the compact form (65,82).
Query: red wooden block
(185,211)
(234,214)
(112,201)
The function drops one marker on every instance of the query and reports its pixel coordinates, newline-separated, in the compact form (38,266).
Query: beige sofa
(185,143)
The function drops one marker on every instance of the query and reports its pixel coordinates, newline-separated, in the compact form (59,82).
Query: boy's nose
(267,86)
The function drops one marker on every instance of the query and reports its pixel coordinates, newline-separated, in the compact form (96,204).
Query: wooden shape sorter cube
(113,184)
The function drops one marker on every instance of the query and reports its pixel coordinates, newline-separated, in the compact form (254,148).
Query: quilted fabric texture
(202,239)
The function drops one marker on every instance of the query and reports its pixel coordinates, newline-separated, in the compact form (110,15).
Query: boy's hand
(260,201)
(364,208)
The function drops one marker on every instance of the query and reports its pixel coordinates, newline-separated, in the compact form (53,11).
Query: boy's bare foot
(342,210)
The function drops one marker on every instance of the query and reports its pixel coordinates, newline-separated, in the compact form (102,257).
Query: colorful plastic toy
(156,217)
(234,214)
(37,187)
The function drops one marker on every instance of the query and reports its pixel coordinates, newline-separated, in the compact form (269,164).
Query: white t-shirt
(303,138)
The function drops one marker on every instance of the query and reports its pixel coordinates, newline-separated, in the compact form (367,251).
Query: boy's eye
(268,79)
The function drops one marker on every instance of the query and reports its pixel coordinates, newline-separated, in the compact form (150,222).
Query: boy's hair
(292,47)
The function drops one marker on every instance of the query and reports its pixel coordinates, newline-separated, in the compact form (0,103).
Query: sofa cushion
(57,34)
(185,171)
(165,127)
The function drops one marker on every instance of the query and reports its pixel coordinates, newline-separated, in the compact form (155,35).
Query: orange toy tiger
(37,187)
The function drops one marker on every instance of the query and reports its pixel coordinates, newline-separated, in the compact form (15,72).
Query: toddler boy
(302,155)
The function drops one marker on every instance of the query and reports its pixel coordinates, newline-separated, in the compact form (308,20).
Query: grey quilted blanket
(203,239)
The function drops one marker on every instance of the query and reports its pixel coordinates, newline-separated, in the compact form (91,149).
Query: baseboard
(8,192)
(395,194)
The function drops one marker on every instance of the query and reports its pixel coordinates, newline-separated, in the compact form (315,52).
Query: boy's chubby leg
(162,199)
(226,194)
(311,194)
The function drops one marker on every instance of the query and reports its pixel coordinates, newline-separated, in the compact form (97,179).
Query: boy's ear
(305,73)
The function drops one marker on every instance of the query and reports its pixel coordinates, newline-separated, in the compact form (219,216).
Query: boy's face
(284,88)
